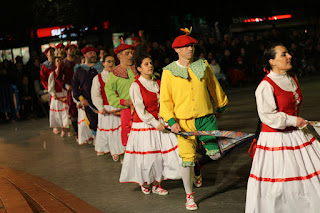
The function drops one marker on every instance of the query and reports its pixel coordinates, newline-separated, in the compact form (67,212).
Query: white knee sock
(215,157)
(187,178)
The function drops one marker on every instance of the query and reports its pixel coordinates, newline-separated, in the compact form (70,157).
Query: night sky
(20,17)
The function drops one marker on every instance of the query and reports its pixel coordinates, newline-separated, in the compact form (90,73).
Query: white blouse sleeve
(139,106)
(51,85)
(96,94)
(267,108)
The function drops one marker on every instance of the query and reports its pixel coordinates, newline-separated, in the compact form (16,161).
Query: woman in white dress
(285,173)
(108,137)
(59,110)
(151,155)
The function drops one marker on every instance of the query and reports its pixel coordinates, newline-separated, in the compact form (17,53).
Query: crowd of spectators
(235,60)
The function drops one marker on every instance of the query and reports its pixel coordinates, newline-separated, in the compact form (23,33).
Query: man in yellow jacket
(185,104)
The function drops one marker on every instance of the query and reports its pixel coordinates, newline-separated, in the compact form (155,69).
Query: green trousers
(206,123)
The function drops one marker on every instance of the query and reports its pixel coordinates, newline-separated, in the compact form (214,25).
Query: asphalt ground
(30,146)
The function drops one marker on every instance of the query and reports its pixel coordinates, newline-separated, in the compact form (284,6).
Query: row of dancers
(128,111)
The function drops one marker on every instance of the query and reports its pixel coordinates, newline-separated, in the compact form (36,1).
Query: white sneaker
(159,190)
(190,204)
(146,190)
(90,140)
(70,134)
(56,131)
(115,157)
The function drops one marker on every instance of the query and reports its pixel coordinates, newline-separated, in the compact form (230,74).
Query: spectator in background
(200,49)
(139,45)
(212,46)
(170,53)
(19,72)
(226,61)
(209,56)
(41,95)
(221,77)
(102,54)
(8,96)
(156,52)
(201,56)
(26,95)
(33,55)
(245,60)
(215,67)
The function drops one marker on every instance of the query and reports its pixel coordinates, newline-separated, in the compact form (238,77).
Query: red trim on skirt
(285,179)
(152,152)
(286,147)
(79,122)
(107,130)
(59,110)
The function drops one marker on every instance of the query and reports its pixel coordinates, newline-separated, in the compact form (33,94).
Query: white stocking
(215,157)
(187,178)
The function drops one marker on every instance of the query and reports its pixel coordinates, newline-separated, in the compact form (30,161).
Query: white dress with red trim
(108,138)
(84,132)
(150,155)
(285,173)
(59,109)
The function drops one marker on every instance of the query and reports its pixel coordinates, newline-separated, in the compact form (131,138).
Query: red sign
(51,31)
(273,18)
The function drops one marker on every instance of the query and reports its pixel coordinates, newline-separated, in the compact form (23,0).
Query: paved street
(31,146)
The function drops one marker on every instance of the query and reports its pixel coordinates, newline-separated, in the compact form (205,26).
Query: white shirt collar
(180,64)
(277,75)
(141,78)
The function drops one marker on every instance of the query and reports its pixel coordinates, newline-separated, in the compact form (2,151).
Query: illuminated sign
(52,31)
(272,18)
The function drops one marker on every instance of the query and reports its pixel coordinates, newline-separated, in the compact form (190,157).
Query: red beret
(69,45)
(59,46)
(88,49)
(48,49)
(184,40)
(122,47)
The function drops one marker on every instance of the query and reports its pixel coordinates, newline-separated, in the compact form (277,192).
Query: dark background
(160,19)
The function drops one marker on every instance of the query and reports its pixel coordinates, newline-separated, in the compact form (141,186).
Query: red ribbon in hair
(265,70)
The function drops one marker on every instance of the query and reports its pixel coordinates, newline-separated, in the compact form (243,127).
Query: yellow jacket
(184,92)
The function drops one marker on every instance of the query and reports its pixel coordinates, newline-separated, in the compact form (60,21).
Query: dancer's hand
(103,111)
(301,122)
(219,115)
(84,102)
(127,102)
(175,128)
(161,127)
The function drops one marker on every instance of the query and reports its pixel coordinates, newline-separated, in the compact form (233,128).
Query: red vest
(103,92)
(57,86)
(44,75)
(150,101)
(286,102)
